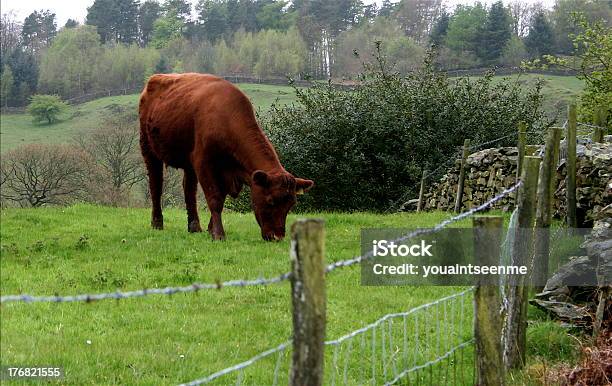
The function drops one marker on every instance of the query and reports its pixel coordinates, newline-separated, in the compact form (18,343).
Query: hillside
(17,129)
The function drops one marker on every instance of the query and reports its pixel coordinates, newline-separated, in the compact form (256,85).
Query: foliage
(497,32)
(265,53)
(593,51)
(41,253)
(116,20)
(36,175)
(374,152)
(46,108)
(514,52)
(38,30)
(465,29)
(356,45)
(540,40)
(76,63)
(116,164)
(6,85)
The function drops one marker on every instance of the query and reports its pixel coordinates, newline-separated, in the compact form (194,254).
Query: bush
(46,108)
(367,147)
(36,175)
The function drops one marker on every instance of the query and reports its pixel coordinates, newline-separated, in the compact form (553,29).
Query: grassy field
(166,340)
(18,129)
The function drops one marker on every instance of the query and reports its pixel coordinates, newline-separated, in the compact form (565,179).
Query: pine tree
(438,33)
(497,32)
(540,40)
(149,11)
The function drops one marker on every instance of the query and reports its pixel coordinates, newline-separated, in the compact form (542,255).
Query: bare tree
(118,166)
(417,17)
(36,175)
(10,33)
(522,12)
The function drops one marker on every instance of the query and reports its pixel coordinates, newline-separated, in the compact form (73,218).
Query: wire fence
(195,287)
(399,347)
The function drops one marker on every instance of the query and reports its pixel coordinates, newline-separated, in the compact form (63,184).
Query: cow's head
(272,196)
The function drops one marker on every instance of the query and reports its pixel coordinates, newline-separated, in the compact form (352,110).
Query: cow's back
(176,110)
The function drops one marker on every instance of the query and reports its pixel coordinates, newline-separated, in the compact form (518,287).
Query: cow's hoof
(218,237)
(194,227)
(157,223)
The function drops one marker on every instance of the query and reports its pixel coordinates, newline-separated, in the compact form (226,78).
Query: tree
(514,53)
(180,9)
(564,25)
(36,175)
(6,85)
(358,45)
(71,23)
(165,29)
(465,29)
(273,16)
(149,11)
(116,20)
(387,8)
(39,29)
(117,164)
(417,17)
(70,66)
(10,36)
(46,108)
(212,18)
(438,33)
(540,40)
(25,74)
(521,13)
(496,33)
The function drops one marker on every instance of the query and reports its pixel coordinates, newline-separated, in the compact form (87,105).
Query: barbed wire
(195,287)
(591,125)
(118,295)
(479,145)
(419,232)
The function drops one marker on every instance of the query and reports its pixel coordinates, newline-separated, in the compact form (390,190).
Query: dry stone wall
(490,171)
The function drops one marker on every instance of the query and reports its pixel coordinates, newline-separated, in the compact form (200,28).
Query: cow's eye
(269,200)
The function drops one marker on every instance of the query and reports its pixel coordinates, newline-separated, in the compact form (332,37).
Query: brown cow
(206,126)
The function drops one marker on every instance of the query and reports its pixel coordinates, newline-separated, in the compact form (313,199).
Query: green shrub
(46,108)
(365,148)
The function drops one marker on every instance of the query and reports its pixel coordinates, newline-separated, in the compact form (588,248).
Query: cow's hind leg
(190,189)
(155,171)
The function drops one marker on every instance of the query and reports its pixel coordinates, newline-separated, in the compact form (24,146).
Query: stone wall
(490,171)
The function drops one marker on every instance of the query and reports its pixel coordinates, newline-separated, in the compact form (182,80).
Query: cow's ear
(302,185)
(261,178)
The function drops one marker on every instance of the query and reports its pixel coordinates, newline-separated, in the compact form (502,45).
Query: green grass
(140,341)
(18,129)
(166,340)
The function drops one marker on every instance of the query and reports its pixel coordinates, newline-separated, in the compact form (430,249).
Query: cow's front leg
(190,189)
(215,225)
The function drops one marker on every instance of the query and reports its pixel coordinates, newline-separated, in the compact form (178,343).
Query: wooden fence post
(518,289)
(599,122)
(570,182)
(487,320)
(459,199)
(544,208)
(520,145)
(309,302)
(422,191)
